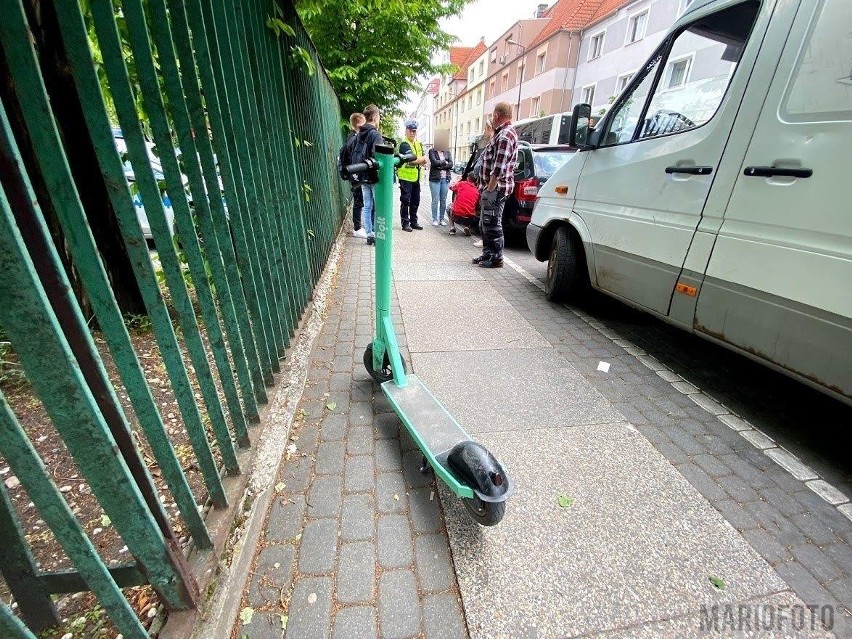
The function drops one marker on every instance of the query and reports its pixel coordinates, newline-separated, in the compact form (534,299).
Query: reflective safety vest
(406,172)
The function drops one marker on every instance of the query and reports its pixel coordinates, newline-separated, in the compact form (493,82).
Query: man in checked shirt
(496,180)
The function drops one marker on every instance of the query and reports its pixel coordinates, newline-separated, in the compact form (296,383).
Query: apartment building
(456,110)
(616,44)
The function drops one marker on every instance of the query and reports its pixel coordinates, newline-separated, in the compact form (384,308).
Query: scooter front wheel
(485,513)
(385,374)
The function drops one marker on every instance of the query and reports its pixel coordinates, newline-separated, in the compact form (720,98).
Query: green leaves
(278,26)
(564,501)
(376,51)
(246,615)
(301,56)
(717,582)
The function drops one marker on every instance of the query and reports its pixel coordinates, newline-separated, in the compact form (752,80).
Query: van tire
(562,277)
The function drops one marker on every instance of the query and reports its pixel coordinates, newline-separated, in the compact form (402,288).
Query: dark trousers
(409,197)
(357,205)
(491,223)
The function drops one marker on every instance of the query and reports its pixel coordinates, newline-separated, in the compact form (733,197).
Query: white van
(716,193)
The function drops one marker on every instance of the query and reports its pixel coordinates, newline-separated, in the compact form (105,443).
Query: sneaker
(407,228)
(481,258)
(359,233)
(371,240)
(434,222)
(492,263)
(452,231)
(477,244)
(417,227)
(444,222)
(466,231)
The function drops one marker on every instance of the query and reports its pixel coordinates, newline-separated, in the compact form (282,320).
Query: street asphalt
(660,479)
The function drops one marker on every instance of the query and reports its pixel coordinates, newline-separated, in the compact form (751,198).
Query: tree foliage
(376,51)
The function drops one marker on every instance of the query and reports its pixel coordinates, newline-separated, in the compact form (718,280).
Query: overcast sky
(483,18)
(488,18)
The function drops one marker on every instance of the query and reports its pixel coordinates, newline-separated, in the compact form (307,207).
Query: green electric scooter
(466,467)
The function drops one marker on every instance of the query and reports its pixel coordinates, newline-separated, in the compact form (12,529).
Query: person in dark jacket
(368,138)
(440,164)
(356,121)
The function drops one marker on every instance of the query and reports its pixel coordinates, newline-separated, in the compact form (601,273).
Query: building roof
(472,54)
(575,15)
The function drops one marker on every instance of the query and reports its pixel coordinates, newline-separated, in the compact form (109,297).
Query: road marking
(757,438)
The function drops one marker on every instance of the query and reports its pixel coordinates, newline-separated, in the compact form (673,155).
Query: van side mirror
(580,126)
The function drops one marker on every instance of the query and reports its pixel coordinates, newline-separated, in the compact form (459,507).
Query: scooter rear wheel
(386,372)
(485,513)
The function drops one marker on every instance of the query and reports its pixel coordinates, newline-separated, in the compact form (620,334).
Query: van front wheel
(562,276)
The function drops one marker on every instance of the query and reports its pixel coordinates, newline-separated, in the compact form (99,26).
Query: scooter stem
(385,339)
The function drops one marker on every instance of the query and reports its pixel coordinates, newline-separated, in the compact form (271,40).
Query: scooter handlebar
(406,157)
(361,167)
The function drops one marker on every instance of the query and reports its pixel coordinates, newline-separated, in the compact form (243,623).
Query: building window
(587,95)
(494,55)
(481,68)
(492,88)
(479,96)
(477,125)
(536,106)
(596,45)
(622,81)
(541,62)
(470,76)
(505,84)
(636,27)
(678,73)
(684,5)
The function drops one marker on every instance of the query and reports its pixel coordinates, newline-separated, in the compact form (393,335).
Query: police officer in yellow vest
(409,178)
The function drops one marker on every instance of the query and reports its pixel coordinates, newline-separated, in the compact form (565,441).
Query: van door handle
(690,170)
(774,171)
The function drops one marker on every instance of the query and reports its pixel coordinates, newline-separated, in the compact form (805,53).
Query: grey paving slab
(638,543)
(356,572)
(399,605)
(356,622)
(318,546)
(512,399)
(309,614)
(428,331)
(466,296)
(393,539)
(285,518)
(434,565)
(453,271)
(357,519)
(443,617)
(272,573)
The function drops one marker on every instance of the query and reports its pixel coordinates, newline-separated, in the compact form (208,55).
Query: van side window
(820,87)
(687,79)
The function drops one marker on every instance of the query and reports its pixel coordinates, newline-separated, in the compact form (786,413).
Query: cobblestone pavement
(356,542)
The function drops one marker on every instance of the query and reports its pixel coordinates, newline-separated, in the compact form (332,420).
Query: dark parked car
(536,163)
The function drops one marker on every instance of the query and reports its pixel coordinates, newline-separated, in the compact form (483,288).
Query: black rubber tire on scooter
(485,513)
(384,375)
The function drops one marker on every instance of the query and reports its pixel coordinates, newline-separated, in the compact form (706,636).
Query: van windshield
(548,162)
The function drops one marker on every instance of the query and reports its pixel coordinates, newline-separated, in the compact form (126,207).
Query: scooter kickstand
(425,468)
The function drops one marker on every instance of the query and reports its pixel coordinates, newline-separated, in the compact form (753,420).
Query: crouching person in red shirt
(464,207)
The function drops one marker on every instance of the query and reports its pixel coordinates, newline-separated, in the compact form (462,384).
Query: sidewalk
(359,544)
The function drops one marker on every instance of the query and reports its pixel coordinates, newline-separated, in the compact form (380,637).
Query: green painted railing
(246,127)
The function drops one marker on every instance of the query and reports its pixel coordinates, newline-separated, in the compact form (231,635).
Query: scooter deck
(430,425)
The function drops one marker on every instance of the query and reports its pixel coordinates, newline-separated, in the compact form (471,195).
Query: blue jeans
(368,212)
(439,199)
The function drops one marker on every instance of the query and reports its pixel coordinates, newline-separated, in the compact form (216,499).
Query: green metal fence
(245,126)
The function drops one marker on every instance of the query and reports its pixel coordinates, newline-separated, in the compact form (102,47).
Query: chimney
(539,13)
